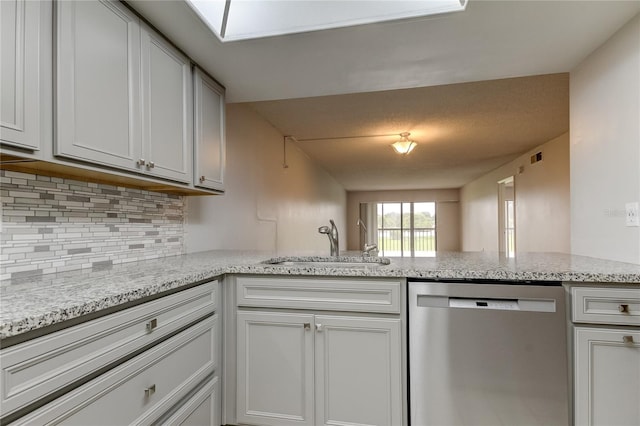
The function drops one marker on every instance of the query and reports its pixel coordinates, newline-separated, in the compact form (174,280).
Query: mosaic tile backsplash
(52,225)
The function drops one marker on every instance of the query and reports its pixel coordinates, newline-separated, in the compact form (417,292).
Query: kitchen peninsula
(75,342)
(37,302)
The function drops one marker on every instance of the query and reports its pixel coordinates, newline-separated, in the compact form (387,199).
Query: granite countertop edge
(31,304)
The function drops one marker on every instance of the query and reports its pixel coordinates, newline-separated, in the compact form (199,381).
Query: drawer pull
(627,339)
(152,324)
(150,390)
(307,326)
(624,308)
(319,327)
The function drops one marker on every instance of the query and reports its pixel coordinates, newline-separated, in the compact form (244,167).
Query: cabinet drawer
(140,390)
(39,367)
(202,408)
(320,294)
(606,305)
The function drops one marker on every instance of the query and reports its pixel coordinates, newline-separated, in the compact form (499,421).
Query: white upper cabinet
(98,83)
(125,95)
(167,96)
(209,133)
(25,43)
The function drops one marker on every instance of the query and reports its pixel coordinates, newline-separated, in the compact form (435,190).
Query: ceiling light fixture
(404,145)
(232,20)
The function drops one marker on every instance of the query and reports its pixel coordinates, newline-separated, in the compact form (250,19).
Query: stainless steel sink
(330,262)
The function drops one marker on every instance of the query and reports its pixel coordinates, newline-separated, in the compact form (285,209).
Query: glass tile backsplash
(52,225)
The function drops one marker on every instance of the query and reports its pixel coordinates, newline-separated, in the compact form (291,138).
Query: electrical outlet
(632,218)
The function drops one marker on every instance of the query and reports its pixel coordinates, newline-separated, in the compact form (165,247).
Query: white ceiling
(490,40)
(464,130)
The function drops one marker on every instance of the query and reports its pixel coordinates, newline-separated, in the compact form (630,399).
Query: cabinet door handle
(202,179)
(624,308)
(150,390)
(141,162)
(627,339)
(319,327)
(152,324)
(151,165)
(307,326)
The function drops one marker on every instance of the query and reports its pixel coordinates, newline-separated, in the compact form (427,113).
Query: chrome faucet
(368,249)
(332,233)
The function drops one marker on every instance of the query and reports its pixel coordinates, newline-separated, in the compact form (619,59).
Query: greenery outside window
(406,229)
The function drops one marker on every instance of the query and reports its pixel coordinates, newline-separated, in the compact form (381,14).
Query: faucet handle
(370,250)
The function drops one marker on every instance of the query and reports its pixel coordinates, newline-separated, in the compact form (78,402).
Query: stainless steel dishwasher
(488,353)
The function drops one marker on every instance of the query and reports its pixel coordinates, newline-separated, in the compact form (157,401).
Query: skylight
(234,20)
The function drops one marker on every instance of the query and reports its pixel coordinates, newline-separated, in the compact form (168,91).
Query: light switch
(631,215)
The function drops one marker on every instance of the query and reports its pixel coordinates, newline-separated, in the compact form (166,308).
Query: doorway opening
(507,217)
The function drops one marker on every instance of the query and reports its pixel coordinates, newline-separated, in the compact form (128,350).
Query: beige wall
(605,148)
(265,206)
(542,202)
(447,213)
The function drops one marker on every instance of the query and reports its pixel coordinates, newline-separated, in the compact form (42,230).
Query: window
(407,229)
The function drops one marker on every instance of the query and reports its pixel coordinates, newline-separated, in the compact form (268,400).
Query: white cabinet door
(358,371)
(21,67)
(607,377)
(275,368)
(167,97)
(98,83)
(209,133)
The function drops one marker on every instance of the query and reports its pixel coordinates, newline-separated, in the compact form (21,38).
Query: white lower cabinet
(606,357)
(142,389)
(607,377)
(275,368)
(358,373)
(199,410)
(307,369)
(154,363)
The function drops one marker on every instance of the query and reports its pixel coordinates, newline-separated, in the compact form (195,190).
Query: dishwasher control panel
(495,304)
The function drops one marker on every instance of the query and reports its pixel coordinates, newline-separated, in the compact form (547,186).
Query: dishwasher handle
(493,304)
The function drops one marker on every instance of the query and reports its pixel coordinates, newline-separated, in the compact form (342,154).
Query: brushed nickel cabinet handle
(151,165)
(141,162)
(627,339)
(319,327)
(202,179)
(150,390)
(152,324)
(307,326)
(624,308)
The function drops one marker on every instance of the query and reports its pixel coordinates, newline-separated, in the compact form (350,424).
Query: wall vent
(536,157)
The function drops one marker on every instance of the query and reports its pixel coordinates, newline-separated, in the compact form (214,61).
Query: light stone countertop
(28,304)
